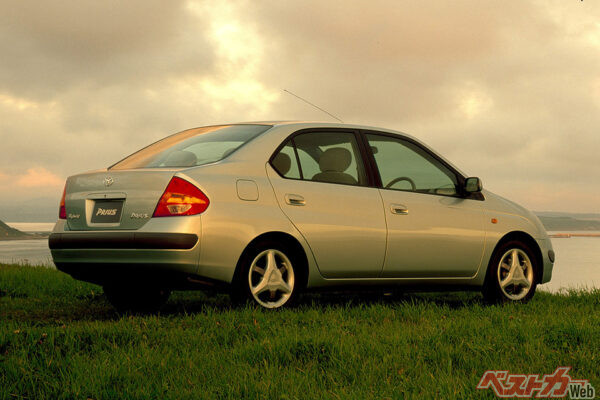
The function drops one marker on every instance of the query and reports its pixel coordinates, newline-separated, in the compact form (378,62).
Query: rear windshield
(193,147)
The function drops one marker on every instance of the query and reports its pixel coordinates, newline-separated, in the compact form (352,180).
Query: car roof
(300,124)
(317,124)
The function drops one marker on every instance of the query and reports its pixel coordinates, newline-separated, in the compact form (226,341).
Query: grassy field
(59,338)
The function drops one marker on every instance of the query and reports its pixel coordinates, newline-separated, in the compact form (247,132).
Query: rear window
(193,147)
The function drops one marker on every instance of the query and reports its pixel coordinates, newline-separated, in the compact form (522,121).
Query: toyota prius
(268,210)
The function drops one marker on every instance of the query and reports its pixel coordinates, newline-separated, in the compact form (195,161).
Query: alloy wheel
(515,274)
(271,278)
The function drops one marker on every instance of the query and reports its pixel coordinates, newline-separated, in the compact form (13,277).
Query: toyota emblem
(108,181)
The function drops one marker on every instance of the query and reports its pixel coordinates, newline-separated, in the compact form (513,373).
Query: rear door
(432,230)
(322,186)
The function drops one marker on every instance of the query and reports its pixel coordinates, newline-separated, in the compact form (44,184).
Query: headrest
(181,159)
(336,159)
(282,163)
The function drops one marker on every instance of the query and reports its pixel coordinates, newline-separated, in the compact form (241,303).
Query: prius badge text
(106,211)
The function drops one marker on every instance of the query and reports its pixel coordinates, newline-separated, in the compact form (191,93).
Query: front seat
(333,163)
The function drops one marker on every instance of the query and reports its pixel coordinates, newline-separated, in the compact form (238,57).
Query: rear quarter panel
(230,223)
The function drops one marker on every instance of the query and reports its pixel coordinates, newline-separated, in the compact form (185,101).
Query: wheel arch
(530,242)
(281,237)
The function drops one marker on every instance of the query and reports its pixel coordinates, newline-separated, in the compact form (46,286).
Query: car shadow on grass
(97,308)
(201,303)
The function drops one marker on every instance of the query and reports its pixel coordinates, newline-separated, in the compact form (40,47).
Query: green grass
(59,338)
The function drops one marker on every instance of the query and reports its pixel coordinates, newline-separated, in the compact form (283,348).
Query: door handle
(294,200)
(399,209)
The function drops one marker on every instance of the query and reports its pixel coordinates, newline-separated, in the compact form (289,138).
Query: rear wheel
(128,298)
(512,274)
(269,276)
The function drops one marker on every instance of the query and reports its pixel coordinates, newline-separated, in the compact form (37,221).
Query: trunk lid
(114,199)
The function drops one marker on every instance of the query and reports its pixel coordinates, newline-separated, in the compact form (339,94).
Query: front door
(432,230)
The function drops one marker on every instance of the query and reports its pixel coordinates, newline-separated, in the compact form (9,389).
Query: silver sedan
(267,210)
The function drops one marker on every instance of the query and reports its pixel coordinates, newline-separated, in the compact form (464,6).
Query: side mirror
(473,185)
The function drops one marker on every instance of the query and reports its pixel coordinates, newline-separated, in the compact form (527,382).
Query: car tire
(512,274)
(131,299)
(269,275)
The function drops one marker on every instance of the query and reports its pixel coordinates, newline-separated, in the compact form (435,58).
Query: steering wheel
(402,178)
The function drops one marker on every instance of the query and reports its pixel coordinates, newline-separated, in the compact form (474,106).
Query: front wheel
(511,275)
(269,276)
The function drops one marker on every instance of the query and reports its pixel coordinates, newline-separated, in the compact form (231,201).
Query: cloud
(30,195)
(52,48)
(89,83)
(508,91)
(36,181)
(38,177)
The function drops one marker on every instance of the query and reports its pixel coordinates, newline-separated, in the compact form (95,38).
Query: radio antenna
(315,106)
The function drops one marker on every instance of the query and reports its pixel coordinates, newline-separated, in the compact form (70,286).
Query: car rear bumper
(122,240)
(102,266)
(163,251)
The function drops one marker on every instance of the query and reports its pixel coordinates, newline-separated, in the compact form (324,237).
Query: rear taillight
(181,198)
(62,212)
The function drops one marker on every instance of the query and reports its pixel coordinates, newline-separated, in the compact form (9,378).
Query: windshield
(193,147)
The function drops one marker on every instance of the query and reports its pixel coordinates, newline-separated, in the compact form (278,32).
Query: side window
(310,166)
(332,157)
(403,165)
(285,162)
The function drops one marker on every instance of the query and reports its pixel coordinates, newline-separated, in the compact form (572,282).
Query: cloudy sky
(507,90)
